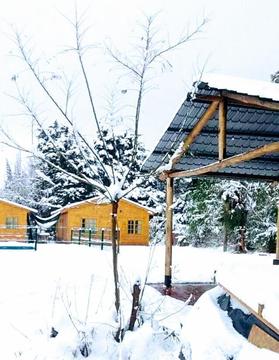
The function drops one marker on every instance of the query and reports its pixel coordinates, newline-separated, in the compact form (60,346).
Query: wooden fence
(90,237)
(36,234)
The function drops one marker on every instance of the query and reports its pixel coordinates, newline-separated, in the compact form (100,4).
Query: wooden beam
(168,244)
(233,160)
(207,98)
(244,100)
(261,339)
(195,131)
(251,101)
(222,129)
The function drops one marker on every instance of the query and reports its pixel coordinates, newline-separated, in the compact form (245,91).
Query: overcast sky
(241,39)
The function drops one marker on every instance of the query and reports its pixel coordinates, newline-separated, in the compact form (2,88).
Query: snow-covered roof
(102,200)
(263,89)
(139,205)
(18,205)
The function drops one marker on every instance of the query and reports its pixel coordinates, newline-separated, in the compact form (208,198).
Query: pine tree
(9,174)
(261,222)
(275,77)
(197,212)
(57,145)
(119,143)
(235,196)
(18,185)
(118,153)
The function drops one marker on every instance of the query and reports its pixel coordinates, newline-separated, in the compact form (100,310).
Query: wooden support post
(36,239)
(276,260)
(277,242)
(222,129)
(102,239)
(169,216)
(89,237)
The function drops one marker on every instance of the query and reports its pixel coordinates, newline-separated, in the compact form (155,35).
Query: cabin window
(87,224)
(134,226)
(11,222)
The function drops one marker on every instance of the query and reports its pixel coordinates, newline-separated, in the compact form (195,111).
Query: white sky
(240,39)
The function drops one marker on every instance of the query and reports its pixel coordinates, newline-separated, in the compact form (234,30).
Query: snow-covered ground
(69,288)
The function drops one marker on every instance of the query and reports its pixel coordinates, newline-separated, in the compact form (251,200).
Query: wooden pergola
(227,127)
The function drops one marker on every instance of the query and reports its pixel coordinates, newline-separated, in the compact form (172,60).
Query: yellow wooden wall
(9,210)
(72,217)
(62,227)
(128,211)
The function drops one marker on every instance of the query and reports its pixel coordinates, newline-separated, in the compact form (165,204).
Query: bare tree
(147,56)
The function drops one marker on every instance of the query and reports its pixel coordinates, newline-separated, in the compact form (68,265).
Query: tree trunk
(114,254)
(225,243)
(135,306)
(242,243)
(226,207)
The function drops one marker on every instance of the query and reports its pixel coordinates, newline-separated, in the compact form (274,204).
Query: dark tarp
(243,322)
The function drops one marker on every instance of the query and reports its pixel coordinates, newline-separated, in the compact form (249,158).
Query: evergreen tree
(211,212)
(119,143)
(275,77)
(261,222)
(119,146)
(235,196)
(197,212)
(9,174)
(18,185)
(57,144)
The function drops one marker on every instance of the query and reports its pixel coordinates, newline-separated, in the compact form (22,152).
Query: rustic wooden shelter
(14,221)
(227,127)
(95,214)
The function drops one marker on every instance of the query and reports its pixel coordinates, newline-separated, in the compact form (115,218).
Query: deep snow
(69,288)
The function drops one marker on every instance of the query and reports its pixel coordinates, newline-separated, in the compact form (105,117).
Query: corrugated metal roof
(247,128)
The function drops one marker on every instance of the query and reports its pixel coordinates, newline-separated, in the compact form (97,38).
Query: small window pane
(11,222)
(130,226)
(138,226)
(89,224)
(134,226)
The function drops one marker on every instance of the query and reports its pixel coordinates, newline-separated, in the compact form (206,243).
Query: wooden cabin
(14,219)
(94,215)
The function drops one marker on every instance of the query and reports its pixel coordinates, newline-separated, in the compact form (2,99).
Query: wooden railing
(83,236)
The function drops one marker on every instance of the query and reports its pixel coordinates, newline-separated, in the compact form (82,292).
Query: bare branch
(184,39)
(79,50)
(33,70)
(24,101)
(13,144)
(150,54)
(125,64)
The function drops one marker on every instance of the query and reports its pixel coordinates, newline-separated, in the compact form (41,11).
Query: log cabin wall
(13,222)
(133,221)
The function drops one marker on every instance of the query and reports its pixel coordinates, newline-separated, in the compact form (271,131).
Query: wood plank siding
(132,221)
(13,222)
